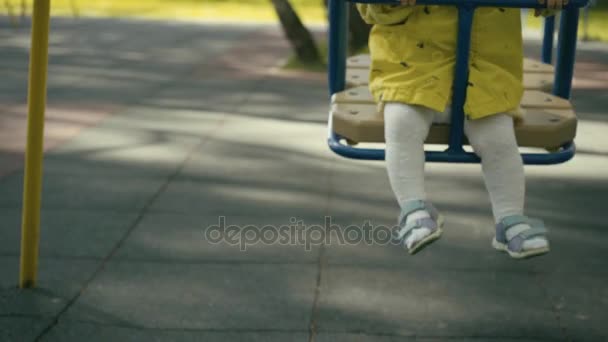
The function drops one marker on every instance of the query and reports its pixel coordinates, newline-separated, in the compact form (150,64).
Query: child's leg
(406,129)
(493,139)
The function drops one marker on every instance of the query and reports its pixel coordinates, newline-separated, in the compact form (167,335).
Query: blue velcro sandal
(434,223)
(515,246)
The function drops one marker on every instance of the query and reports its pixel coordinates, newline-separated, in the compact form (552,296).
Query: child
(413,58)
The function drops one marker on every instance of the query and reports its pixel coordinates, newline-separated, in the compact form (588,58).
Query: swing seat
(549,121)
(537,67)
(363,61)
(538,81)
(537,75)
(532,81)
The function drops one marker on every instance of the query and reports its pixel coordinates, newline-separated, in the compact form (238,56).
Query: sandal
(515,246)
(434,223)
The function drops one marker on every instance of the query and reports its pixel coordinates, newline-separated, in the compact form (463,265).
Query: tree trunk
(300,38)
(358,30)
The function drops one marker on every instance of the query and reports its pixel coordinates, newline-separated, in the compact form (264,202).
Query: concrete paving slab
(96,60)
(572,210)
(338,337)
(474,339)
(144,126)
(581,302)
(68,331)
(196,238)
(237,197)
(14,329)
(199,296)
(10,162)
(235,178)
(435,303)
(153,161)
(59,280)
(352,337)
(250,163)
(75,234)
(284,99)
(286,152)
(208,95)
(309,136)
(151,154)
(129,193)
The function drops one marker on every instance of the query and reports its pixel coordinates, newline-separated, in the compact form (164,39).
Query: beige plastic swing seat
(537,75)
(549,121)
(530,65)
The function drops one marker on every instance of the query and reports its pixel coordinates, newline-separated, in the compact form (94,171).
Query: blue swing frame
(547,49)
(455,153)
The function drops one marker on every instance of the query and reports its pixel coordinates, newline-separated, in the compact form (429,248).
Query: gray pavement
(202,126)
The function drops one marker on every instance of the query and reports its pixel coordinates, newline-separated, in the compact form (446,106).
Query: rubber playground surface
(158,133)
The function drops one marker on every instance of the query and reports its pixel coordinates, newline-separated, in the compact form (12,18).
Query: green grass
(311,11)
(295,64)
(598,22)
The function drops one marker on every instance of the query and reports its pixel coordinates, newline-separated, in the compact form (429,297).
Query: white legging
(492,138)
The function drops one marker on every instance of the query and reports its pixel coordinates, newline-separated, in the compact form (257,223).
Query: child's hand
(412,2)
(555,5)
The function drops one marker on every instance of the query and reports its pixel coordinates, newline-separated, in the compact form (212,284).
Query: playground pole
(32,188)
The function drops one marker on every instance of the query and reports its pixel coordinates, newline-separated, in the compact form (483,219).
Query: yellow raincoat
(413,52)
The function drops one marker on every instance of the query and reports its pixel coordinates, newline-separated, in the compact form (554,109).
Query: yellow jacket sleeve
(384,14)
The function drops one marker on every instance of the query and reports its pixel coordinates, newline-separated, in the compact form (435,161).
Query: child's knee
(405,122)
(492,136)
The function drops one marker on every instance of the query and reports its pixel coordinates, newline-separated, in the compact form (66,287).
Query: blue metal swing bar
(455,153)
(547,50)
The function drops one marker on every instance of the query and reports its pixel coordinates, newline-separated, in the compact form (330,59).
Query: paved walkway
(157,130)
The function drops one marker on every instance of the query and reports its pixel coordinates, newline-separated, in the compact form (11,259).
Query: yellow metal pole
(32,187)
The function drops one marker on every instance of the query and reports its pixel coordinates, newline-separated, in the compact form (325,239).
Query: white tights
(492,138)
